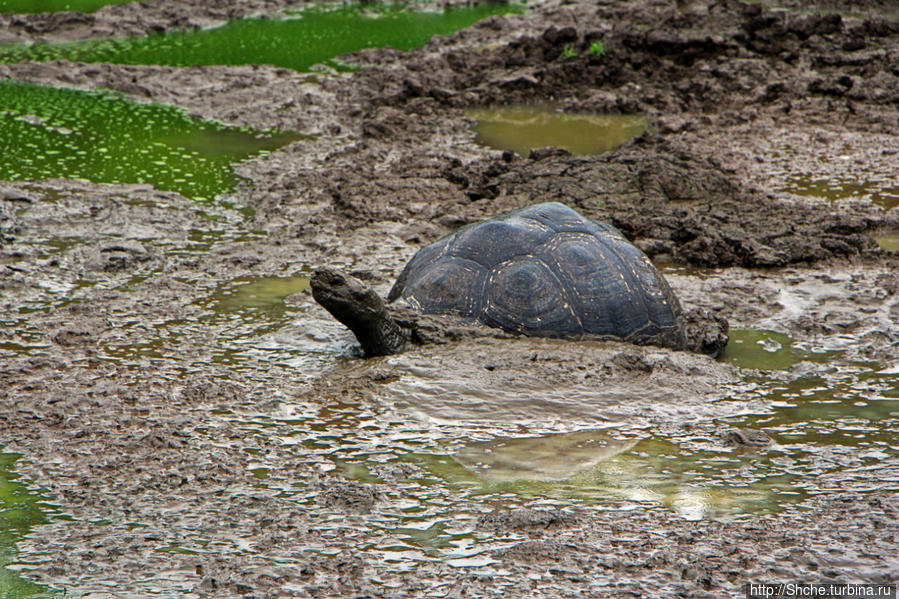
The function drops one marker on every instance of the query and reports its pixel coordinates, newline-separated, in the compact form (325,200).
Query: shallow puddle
(828,428)
(20,510)
(826,434)
(39,6)
(768,350)
(101,137)
(524,128)
(831,428)
(881,190)
(254,305)
(254,297)
(888,241)
(297,41)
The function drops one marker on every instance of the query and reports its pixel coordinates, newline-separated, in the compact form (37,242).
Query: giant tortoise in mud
(543,270)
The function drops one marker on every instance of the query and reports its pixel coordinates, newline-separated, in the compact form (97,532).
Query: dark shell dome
(544,270)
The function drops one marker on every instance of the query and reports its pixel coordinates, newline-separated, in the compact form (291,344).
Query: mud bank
(130,18)
(206,447)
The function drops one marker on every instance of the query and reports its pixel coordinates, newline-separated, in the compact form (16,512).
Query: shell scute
(450,286)
(524,295)
(492,242)
(602,295)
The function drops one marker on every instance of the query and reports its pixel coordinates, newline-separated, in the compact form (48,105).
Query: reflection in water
(826,431)
(312,36)
(550,457)
(823,430)
(524,128)
(696,485)
(51,132)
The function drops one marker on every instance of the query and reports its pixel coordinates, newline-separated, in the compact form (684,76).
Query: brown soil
(122,20)
(133,413)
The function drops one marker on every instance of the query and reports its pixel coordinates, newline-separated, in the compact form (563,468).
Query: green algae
(51,132)
(303,39)
(20,510)
(40,6)
(524,128)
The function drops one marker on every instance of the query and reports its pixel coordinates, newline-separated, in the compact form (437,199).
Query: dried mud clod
(348,496)
(706,331)
(528,519)
(746,438)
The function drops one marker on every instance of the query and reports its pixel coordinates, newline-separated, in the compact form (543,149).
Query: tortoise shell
(547,271)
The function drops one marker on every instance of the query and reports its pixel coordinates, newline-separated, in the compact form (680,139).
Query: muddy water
(880,188)
(260,325)
(769,350)
(888,241)
(524,128)
(827,428)
(437,427)
(20,509)
(848,168)
(255,297)
(52,132)
(295,41)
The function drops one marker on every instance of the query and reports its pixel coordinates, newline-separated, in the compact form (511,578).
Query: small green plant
(597,49)
(568,52)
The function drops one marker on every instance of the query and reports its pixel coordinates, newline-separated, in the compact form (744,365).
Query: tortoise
(543,270)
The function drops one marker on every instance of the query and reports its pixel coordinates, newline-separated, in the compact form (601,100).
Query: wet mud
(203,442)
(127,19)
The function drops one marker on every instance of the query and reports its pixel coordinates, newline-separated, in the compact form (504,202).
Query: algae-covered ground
(182,420)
